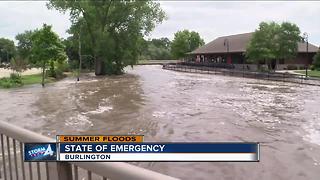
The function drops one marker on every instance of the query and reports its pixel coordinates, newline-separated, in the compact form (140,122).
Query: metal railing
(12,166)
(207,64)
(273,76)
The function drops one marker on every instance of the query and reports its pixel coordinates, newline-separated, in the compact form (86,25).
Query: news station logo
(40,152)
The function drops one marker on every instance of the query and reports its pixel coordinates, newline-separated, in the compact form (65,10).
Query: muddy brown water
(172,106)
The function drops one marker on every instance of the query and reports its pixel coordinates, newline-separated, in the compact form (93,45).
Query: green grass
(34,79)
(26,80)
(310,73)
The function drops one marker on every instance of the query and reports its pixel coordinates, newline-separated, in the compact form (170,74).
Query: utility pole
(305,38)
(79,51)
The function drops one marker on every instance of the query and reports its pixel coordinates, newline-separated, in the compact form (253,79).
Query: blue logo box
(40,151)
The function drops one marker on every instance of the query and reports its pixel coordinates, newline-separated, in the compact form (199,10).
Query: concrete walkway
(287,71)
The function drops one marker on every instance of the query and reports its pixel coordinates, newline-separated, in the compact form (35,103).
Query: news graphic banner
(132,148)
(40,151)
(97,139)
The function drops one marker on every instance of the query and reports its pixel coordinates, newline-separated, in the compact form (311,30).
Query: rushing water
(172,106)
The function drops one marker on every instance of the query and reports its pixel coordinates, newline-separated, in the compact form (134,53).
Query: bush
(63,66)
(316,60)
(15,78)
(312,68)
(57,68)
(51,72)
(73,64)
(5,83)
(263,68)
(292,67)
(18,64)
(59,73)
(13,81)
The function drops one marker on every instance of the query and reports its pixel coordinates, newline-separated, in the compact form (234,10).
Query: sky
(210,18)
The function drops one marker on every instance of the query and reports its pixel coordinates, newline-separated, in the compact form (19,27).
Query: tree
(288,38)
(115,29)
(72,46)
(162,42)
(25,44)
(18,64)
(272,41)
(46,48)
(316,60)
(185,41)
(7,50)
(157,49)
(262,45)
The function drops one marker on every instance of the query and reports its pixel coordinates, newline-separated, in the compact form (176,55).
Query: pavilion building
(231,50)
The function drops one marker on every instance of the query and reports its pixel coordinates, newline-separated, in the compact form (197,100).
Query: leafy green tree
(7,50)
(185,41)
(316,60)
(72,46)
(288,37)
(115,29)
(195,40)
(162,42)
(46,48)
(25,44)
(157,49)
(273,41)
(262,45)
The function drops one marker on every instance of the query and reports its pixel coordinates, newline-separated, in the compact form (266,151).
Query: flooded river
(171,106)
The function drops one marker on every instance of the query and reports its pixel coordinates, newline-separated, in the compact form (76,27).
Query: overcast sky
(210,18)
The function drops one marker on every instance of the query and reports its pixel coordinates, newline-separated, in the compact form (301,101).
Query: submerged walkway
(274,76)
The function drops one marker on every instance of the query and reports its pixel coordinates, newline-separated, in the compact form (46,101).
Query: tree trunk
(99,67)
(43,73)
(276,66)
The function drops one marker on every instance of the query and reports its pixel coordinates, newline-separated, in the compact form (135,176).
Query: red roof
(238,43)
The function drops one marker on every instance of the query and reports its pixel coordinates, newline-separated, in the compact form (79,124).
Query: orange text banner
(108,138)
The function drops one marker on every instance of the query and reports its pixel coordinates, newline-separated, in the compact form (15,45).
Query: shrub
(63,66)
(13,81)
(57,68)
(316,60)
(18,64)
(51,72)
(292,67)
(15,78)
(5,83)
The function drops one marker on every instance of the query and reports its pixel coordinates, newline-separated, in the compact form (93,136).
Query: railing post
(59,170)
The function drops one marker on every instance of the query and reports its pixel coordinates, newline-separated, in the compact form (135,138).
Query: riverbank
(6,82)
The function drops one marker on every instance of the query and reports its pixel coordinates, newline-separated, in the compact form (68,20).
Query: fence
(274,76)
(206,64)
(13,167)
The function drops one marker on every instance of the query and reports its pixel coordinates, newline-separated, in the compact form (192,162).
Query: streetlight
(226,44)
(79,51)
(305,39)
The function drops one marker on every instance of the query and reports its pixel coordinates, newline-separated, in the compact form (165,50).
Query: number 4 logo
(48,151)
